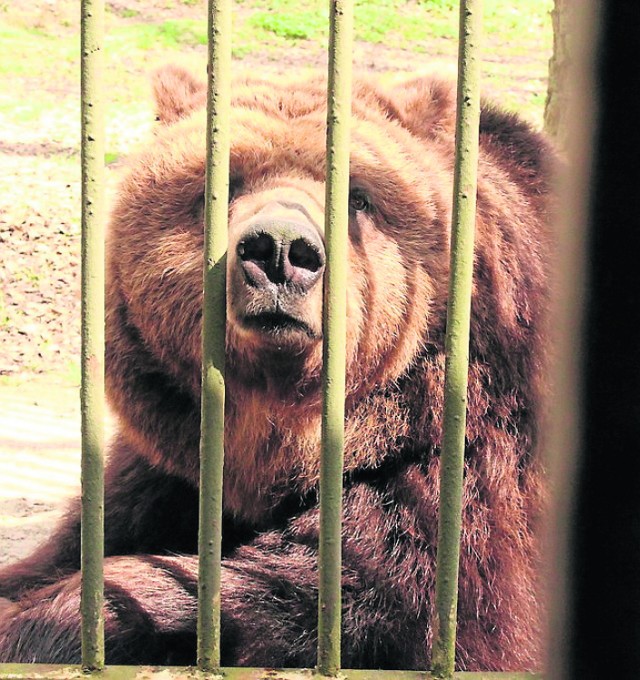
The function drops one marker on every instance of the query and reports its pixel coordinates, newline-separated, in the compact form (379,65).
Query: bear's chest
(269,452)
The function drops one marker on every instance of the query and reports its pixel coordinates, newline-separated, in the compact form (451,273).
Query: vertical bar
(457,338)
(334,334)
(92,352)
(213,333)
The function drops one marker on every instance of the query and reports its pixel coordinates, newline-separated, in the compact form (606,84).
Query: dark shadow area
(604,582)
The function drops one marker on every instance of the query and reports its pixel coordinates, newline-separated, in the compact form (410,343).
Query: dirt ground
(39,280)
(39,462)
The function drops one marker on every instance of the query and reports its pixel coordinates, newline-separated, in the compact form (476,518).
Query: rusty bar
(334,334)
(213,334)
(92,313)
(457,337)
(43,671)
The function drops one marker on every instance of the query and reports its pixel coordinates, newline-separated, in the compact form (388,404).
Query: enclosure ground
(39,461)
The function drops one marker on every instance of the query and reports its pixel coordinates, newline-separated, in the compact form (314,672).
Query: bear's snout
(281,253)
(275,277)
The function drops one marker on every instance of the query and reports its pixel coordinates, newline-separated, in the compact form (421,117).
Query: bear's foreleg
(150,616)
(269,602)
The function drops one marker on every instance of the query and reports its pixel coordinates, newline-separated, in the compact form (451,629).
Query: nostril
(304,256)
(259,248)
(280,253)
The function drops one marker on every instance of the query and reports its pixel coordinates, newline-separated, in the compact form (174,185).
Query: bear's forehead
(276,112)
(280,99)
(264,143)
(281,130)
(295,99)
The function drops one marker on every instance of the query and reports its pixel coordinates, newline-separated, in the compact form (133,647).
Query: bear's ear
(426,107)
(177,93)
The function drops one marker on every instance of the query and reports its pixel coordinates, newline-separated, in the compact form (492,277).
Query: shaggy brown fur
(401,169)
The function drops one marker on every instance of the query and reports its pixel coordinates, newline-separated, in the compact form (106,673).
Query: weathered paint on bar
(47,672)
(213,333)
(92,361)
(334,334)
(457,338)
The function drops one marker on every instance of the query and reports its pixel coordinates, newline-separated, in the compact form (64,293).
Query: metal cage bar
(213,334)
(457,337)
(334,334)
(92,360)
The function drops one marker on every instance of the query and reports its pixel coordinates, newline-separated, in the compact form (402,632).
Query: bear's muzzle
(275,275)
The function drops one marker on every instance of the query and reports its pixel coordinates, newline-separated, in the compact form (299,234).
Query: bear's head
(399,215)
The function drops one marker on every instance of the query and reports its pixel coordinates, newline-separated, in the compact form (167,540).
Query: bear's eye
(359,201)
(235,187)
(197,209)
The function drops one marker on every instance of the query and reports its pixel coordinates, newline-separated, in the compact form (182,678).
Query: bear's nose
(281,252)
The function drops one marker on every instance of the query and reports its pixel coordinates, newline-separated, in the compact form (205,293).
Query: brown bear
(399,226)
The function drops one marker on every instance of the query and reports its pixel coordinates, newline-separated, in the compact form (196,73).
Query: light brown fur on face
(273,440)
(398,260)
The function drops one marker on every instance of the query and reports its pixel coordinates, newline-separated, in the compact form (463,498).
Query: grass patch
(440,4)
(172,34)
(382,21)
(307,25)
(129,13)
(32,52)
(402,24)
(244,50)
(521,19)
